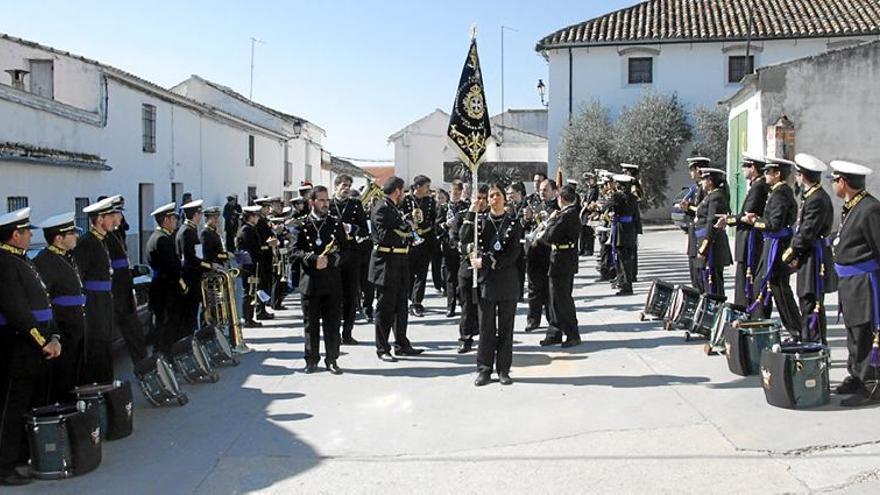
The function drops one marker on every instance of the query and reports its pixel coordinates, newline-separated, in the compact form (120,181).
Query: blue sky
(360,69)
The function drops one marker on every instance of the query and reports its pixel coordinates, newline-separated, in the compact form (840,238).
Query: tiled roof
(664,21)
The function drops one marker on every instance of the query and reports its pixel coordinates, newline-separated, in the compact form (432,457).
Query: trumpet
(218,294)
(417,239)
(541,218)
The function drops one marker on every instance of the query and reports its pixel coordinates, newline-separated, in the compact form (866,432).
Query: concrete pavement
(635,409)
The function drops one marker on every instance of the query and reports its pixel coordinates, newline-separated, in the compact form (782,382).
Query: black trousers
(437,266)
(696,274)
(859,340)
(368,291)
(521,268)
(587,240)
(247,306)
(626,267)
(419,258)
(23,386)
(563,315)
(607,269)
(351,289)
(780,288)
(739,292)
(717,274)
(132,331)
(391,313)
(495,349)
(66,371)
(468,323)
(279,290)
(267,277)
(321,312)
(453,263)
(817,332)
(97,361)
(537,266)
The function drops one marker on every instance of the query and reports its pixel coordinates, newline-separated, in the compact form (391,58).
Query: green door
(738,137)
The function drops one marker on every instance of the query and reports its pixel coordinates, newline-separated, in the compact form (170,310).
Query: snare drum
(658,300)
(745,341)
(64,439)
(704,315)
(682,309)
(191,360)
(796,376)
(728,313)
(217,347)
(158,382)
(114,404)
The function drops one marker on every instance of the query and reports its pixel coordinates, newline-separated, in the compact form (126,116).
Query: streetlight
(542,91)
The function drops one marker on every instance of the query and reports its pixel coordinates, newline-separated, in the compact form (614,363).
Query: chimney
(17,76)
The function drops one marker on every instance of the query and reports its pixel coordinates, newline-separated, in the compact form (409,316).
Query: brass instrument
(371,192)
(541,219)
(218,295)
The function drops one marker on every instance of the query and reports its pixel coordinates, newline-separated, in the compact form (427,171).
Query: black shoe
(334,368)
(531,325)
(279,307)
(504,378)
(310,368)
(550,341)
(483,378)
(465,346)
(417,310)
(14,479)
(252,324)
(265,315)
(849,385)
(863,397)
(571,342)
(387,357)
(624,292)
(349,341)
(408,351)
(450,312)
(369,318)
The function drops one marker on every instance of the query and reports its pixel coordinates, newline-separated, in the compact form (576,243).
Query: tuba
(541,219)
(218,296)
(371,192)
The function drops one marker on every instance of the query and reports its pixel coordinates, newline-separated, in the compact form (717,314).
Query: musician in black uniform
(93,260)
(452,259)
(192,265)
(538,260)
(639,193)
(277,217)
(167,287)
(364,249)
(689,205)
(591,195)
(318,249)
(779,216)
(231,219)
(248,252)
(624,234)
(562,234)
(124,302)
(463,240)
(350,214)
(495,260)
(713,247)
(441,199)
(389,271)
(749,242)
(420,208)
(28,340)
(268,242)
(213,251)
(856,251)
(601,210)
(534,199)
(518,207)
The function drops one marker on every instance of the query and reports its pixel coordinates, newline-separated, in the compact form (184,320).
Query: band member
(421,209)
(93,260)
(856,250)
(364,249)
(689,205)
(192,265)
(749,241)
(639,193)
(810,250)
(124,302)
(713,248)
(495,259)
(441,199)
(277,217)
(350,214)
(317,249)
(452,260)
(591,195)
(389,271)
(538,260)
(59,274)
(624,234)
(601,210)
(248,252)
(534,199)
(517,205)
(780,214)
(167,288)
(231,219)
(268,242)
(213,251)
(469,323)
(28,343)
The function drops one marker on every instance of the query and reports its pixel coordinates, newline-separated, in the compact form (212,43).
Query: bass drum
(114,404)
(659,298)
(796,376)
(64,439)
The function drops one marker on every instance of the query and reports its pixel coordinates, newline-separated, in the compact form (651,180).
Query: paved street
(633,409)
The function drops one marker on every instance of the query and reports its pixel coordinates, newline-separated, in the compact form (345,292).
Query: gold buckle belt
(562,247)
(384,249)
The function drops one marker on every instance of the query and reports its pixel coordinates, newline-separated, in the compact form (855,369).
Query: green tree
(653,134)
(587,143)
(711,134)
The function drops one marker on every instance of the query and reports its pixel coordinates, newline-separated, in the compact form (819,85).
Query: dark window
(641,70)
(149,122)
(251,194)
(81,219)
(738,67)
(16,203)
(250,151)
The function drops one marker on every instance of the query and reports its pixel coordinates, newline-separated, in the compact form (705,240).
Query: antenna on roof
(254,41)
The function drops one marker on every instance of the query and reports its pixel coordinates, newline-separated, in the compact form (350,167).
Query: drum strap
(871,269)
(774,239)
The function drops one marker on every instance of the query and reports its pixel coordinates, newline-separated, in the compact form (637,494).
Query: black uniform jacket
(389,263)
(624,205)
(780,213)
(316,237)
(814,222)
(162,257)
(755,201)
(428,205)
(264,233)
(61,278)
(462,245)
(192,266)
(499,249)
(212,246)
(123,285)
(858,240)
(92,258)
(24,301)
(710,239)
(562,234)
(248,241)
(692,213)
(350,211)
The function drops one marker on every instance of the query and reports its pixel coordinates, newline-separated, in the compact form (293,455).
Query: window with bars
(738,67)
(641,70)
(251,194)
(16,203)
(81,219)
(149,124)
(251,146)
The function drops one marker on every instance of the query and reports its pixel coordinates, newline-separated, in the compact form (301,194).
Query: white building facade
(694,48)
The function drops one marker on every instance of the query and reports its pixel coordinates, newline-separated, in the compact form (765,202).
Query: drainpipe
(570,88)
